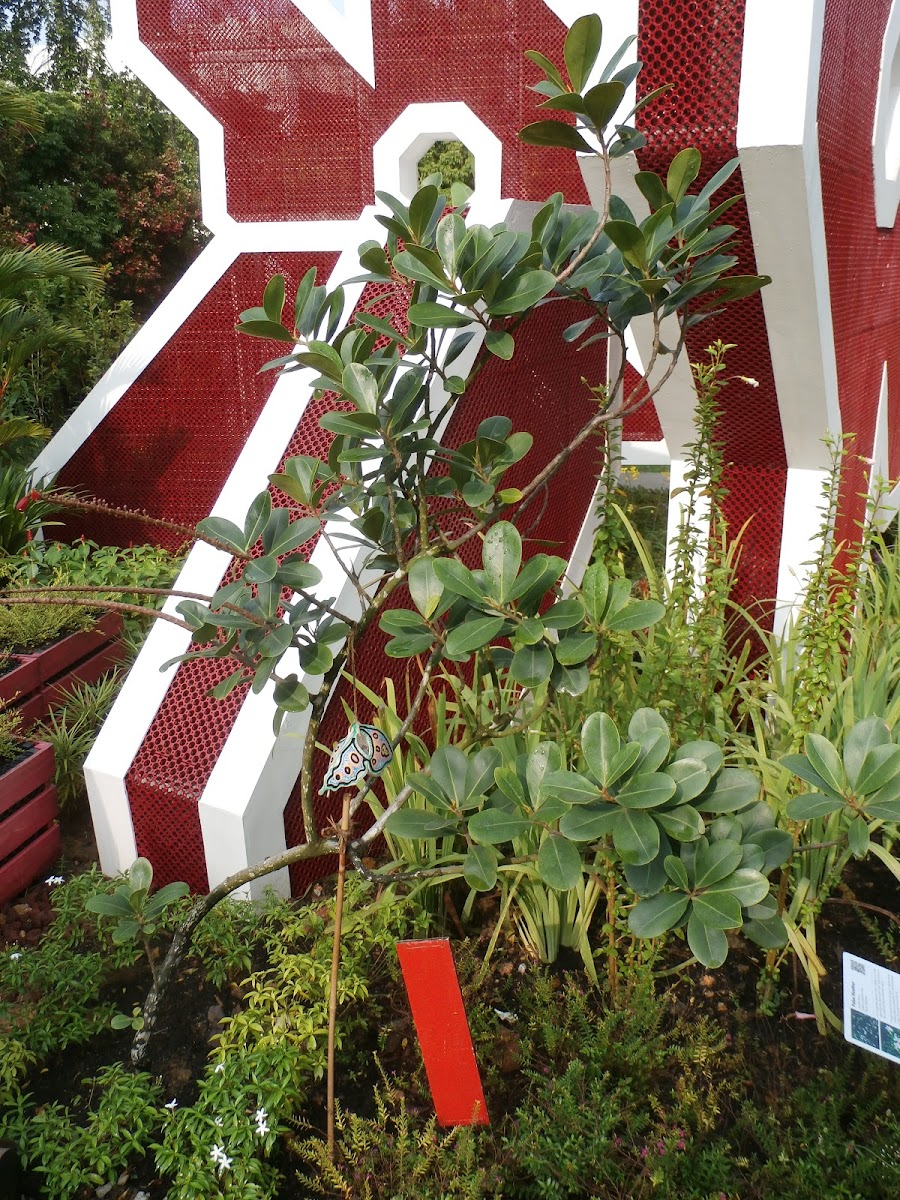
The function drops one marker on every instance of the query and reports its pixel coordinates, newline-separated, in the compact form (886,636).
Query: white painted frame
(886,128)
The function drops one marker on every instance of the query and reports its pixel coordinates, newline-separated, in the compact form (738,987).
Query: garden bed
(39,679)
(686,1090)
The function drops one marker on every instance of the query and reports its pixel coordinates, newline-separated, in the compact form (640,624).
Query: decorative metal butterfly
(363,748)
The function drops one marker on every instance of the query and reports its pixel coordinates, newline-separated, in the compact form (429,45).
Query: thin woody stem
(107,605)
(204,905)
(343,837)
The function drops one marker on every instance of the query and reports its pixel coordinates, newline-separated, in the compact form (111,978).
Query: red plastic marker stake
(440,1020)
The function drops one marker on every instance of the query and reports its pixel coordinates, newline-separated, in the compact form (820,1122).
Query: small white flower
(173,1103)
(750,382)
(262,1128)
(54,879)
(260,1115)
(219,1067)
(15,956)
(220,1158)
(510,1017)
(218,1121)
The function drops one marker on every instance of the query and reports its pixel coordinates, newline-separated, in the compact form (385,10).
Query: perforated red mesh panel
(168,445)
(697,46)
(541,391)
(299,122)
(643,425)
(863,260)
(176,758)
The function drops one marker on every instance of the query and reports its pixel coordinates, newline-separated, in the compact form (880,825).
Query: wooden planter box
(29,834)
(37,682)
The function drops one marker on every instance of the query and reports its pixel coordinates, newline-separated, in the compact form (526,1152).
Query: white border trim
(778,143)
(350,31)
(886,129)
(139,701)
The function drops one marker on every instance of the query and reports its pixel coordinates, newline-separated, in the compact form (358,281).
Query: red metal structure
(296,103)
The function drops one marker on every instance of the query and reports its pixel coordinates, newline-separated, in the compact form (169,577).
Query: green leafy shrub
(72,730)
(10,737)
(31,626)
(391,1155)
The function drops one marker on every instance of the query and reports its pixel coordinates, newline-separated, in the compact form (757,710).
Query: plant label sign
(439,1016)
(872,1007)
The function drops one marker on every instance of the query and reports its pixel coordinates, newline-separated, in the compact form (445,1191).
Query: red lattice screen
(863,260)
(697,46)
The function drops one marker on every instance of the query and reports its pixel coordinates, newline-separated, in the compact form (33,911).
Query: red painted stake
(440,1020)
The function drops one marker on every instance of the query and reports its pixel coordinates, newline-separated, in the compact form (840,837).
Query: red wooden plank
(61,655)
(88,671)
(31,861)
(23,679)
(439,1016)
(27,820)
(26,776)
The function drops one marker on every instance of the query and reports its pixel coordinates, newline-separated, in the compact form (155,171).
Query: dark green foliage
(452,161)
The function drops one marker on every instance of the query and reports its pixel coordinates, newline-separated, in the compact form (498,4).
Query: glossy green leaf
(776,845)
(458,579)
(769,932)
(653,917)
(858,837)
(520,292)
(261,570)
(587,824)
(575,648)
(825,760)
(501,556)
(732,789)
(479,777)
(480,868)
(863,737)
(683,823)
(565,614)
(500,343)
(595,591)
(116,905)
(571,681)
(546,66)
(717,910)
(559,863)
(408,645)
(472,635)
(581,47)
(554,133)
(747,885)
(880,766)
(715,861)
(435,316)
(635,836)
(531,665)
(600,742)
(415,824)
(425,588)
(267,329)
(291,695)
(359,386)
(639,614)
(492,826)
(812,805)
(691,777)
(707,752)
(530,631)
(545,758)
(677,872)
(219,529)
(602,100)
(708,944)
(683,170)
(646,790)
(570,787)
(355,424)
(448,770)
(295,535)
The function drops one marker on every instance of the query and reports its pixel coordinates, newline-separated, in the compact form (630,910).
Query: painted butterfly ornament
(363,748)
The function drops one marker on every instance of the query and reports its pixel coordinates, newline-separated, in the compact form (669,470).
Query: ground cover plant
(571,804)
